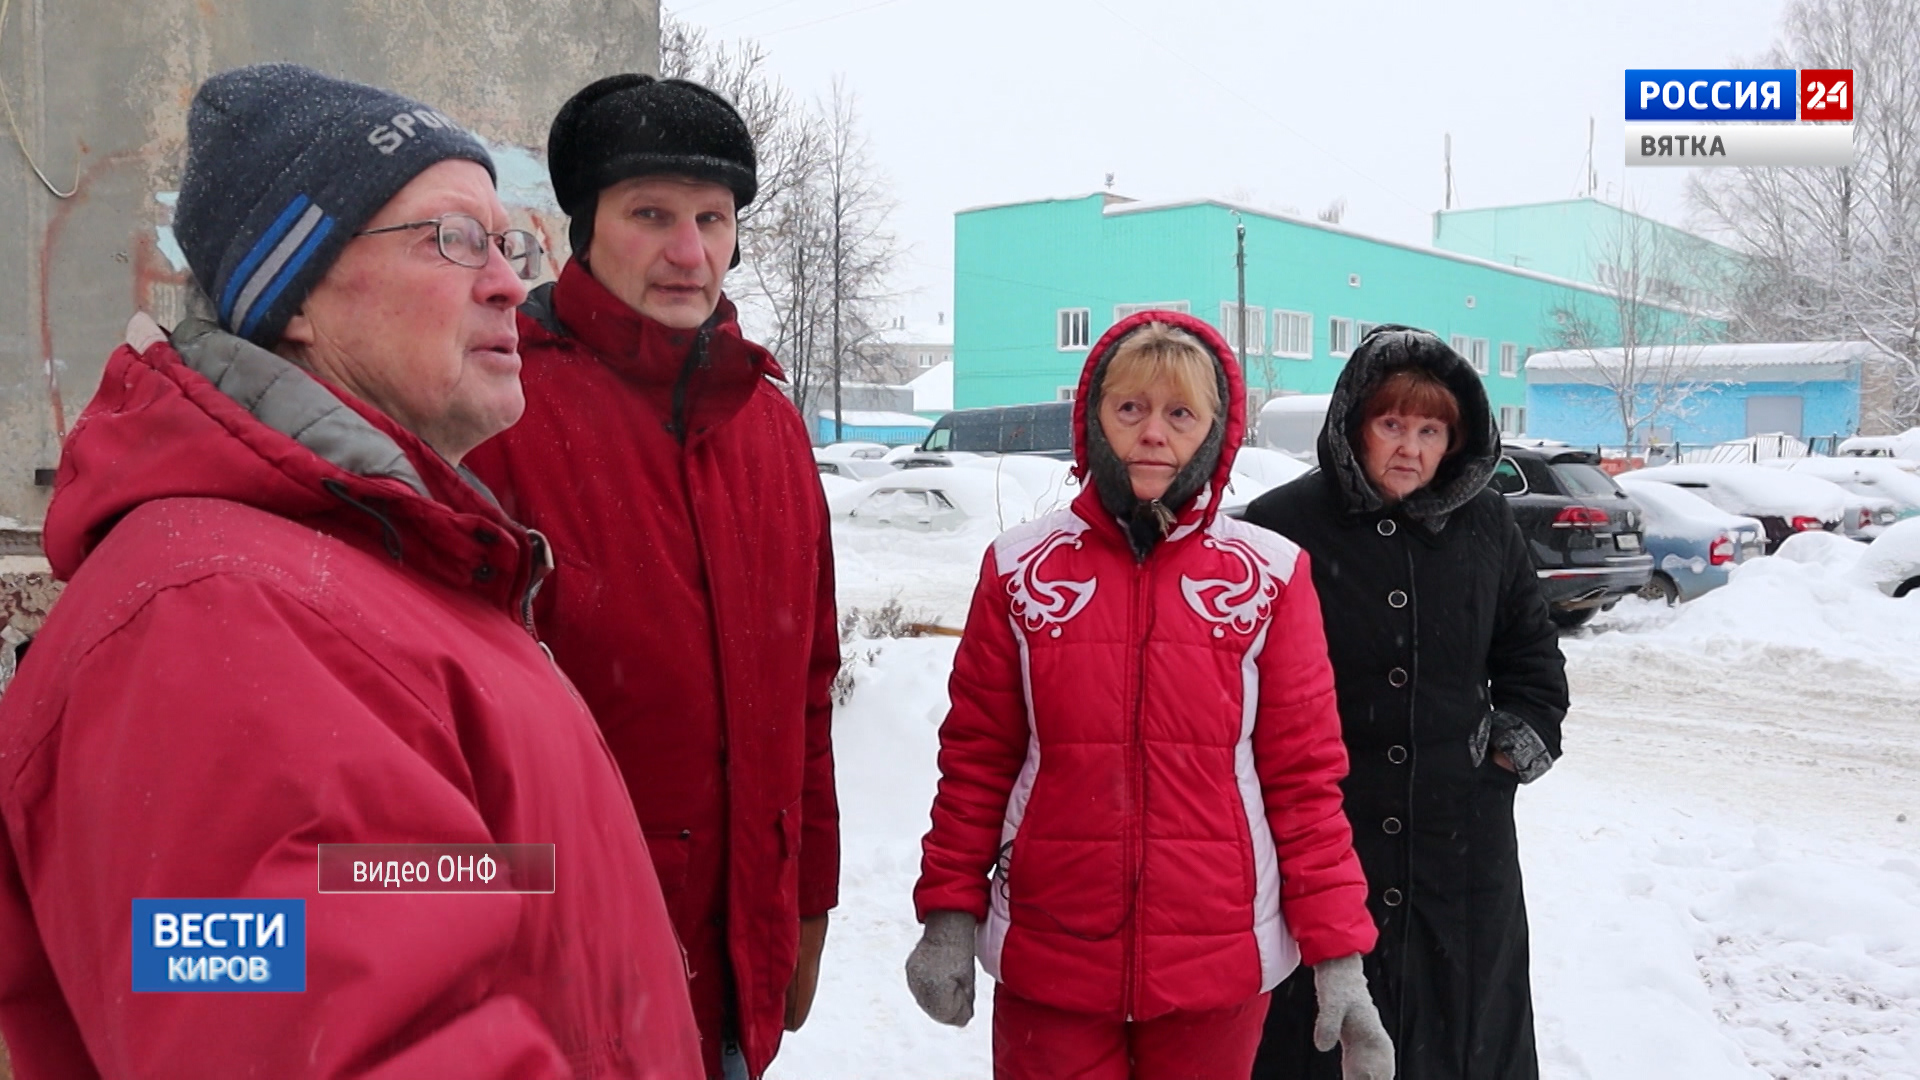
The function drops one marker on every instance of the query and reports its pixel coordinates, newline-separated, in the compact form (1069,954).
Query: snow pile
(1807,606)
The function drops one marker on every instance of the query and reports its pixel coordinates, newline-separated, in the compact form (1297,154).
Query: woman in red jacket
(1138,829)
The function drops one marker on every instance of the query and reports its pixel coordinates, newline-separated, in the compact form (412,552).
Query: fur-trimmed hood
(1460,477)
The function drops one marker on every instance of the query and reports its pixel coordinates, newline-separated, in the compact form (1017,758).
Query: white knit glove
(1347,1017)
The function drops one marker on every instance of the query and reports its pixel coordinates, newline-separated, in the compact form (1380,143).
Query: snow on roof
(933,390)
(1780,354)
(865,418)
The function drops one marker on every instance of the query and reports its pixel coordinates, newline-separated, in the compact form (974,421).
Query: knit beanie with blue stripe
(284,165)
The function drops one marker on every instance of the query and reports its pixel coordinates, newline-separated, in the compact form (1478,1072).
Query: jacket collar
(643,349)
(208,415)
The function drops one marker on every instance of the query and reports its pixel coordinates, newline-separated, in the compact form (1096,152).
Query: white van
(1291,424)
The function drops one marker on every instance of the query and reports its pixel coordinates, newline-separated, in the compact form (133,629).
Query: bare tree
(862,250)
(815,246)
(1836,252)
(1642,341)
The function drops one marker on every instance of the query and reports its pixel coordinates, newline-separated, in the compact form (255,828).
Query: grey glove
(940,970)
(1347,1017)
(1515,738)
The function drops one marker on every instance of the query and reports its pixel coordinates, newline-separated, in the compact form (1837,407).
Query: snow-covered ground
(1723,873)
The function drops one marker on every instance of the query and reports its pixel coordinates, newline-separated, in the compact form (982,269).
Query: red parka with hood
(287,623)
(693,606)
(1139,776)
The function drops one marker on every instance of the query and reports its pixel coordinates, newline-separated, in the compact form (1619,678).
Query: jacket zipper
(1136,856)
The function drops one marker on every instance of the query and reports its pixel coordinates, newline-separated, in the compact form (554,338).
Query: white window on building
(926,359)
(1121,311)
(1256,327)
(1362,329)
(1072,329)
(1293,335)
(1513,420)
(1459,344)
(1340,336)
(1477,354)
(1066,393)
(1509,359)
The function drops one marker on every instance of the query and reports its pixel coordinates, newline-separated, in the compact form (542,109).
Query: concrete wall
(101,90)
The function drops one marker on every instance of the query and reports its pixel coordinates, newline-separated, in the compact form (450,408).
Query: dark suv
(1584,533)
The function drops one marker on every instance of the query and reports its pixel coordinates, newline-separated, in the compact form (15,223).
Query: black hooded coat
(1438,633)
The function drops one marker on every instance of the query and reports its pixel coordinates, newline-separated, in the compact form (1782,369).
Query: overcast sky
(1273,102)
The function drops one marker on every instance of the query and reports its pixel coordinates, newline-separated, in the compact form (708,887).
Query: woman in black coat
(1451,688)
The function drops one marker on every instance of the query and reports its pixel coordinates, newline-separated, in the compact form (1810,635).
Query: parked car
(1886,478)
(853,468)
(1256,471)
(1291,423)
(1583,532)
(1046,428)
(1783,501)
(1694,544)
(1892,562)
(1904,446)
(935,499)
(869,451)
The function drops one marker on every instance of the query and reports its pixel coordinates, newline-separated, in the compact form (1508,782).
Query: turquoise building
(1036,283)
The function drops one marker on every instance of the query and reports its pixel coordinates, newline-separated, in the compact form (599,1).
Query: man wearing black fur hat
(693,604)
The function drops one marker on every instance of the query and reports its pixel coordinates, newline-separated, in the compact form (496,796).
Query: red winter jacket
(270,642)
(1145,757)
(693,606)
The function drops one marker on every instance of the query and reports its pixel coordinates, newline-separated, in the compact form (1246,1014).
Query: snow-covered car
(1892,562)
(935,498)
(1048,483)
(1291,423)
(835,485)
(860,451)
(1256,471)
(1695,545)
(1784,502)
(1883,478)
(1905,446)
(854,468)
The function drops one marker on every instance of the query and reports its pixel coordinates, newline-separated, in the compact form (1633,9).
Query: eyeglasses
(463,241)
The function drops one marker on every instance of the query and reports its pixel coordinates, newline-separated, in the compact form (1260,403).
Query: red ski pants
(1034,1042)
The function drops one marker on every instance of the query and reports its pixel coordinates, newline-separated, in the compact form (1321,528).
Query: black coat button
(1397,678)
(1397,755)
(1393,898)
(1387,527)
(1391,826)
(1396,599)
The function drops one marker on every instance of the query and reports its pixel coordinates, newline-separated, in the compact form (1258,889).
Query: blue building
(1700,393)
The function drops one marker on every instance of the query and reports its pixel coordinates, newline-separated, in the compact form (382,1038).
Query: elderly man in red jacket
(290,621)
(693,601)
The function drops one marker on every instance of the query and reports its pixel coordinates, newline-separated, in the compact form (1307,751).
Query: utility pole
(1447,162)
(1240,274)
(1240,312)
